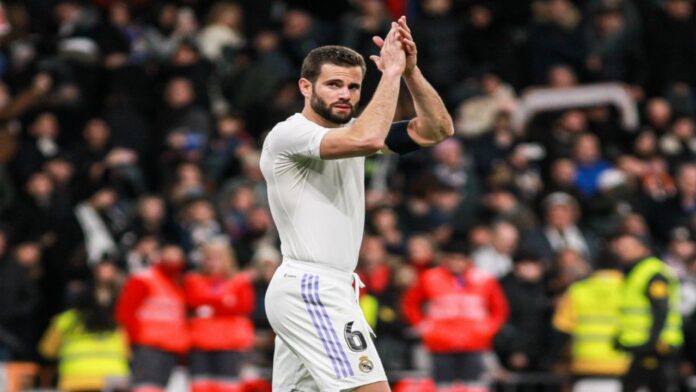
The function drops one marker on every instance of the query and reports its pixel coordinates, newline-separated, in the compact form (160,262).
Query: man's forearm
(374,122)
(435,122)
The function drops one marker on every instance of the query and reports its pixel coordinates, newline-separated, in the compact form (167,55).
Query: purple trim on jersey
(331,327)
(326,326)
(335,361)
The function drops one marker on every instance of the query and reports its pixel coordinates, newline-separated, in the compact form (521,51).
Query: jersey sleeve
(299,140)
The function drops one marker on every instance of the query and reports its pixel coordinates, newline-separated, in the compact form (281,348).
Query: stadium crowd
(130,134)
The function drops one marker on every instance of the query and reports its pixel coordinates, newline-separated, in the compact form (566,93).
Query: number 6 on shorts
(355,339)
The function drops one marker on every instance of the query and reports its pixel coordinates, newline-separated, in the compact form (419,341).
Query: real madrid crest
(365,364)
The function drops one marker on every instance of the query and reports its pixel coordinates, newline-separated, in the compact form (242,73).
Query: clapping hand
(407,44)
(392,56)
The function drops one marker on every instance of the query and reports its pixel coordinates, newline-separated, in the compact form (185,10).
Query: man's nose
(344,93)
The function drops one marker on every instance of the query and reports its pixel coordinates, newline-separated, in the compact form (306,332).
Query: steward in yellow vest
(650,326)
(589,314)
(91,350)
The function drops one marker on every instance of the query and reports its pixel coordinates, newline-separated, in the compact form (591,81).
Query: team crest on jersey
(365,364)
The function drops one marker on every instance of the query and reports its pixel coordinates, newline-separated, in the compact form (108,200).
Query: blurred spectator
(560,230)
(385,223)
(670,45)
(521,170)
(454,169)
(152,309)
(612,200)
(614,53)
(39,215)
(223,31)
(13,107)
(441,49)
(488,44)
(680,250)
(91,349)
(227,148)
(562,178)
(299,35)
(141,254)
(496,258)
(221,300)
(478,114)
(100,220)
(236,210)
(374,267)
(520,343)
(188,183)
(589,163)
(458,296)
(502,203)
(493,146)
(677,210)
(42,145)
(150,219)
(19,299)
(559,143)
(162,37)
(555,38)
(420,253)
(568,267)
(183,126)
(199,225)
(679,143)
(97,160)
(658,114)
(116,37)
(561,76)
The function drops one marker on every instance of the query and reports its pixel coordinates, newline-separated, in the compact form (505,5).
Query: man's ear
(305,87)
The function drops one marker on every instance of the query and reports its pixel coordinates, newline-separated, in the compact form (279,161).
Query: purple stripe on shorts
(334,345)
(331,327)
(334,360)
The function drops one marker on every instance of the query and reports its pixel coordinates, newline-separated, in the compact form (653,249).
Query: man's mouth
(342,106)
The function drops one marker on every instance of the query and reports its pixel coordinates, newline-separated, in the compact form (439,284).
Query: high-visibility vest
(596,303)
(162,315)
(636,317)
(88,358)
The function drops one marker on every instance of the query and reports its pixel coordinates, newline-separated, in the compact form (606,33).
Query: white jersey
(317,205)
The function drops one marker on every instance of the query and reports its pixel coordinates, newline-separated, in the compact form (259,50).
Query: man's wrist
(412,73)
(392,73)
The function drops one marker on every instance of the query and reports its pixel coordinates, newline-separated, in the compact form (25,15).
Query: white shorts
(322,341)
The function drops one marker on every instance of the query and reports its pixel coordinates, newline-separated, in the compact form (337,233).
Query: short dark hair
(331,54)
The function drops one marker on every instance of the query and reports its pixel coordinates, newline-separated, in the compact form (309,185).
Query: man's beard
(324,110)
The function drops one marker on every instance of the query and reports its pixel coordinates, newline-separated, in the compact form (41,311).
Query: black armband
(398,139)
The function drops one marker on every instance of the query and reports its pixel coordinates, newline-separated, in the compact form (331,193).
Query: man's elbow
(442,130)
(372,145)
(447,128)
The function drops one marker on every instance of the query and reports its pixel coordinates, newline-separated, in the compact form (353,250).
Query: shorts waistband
(317,268)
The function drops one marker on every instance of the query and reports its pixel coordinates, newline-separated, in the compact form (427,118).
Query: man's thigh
(320,329)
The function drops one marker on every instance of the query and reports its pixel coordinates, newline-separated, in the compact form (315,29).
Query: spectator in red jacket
(220,301)
(153,312)
(465,309)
